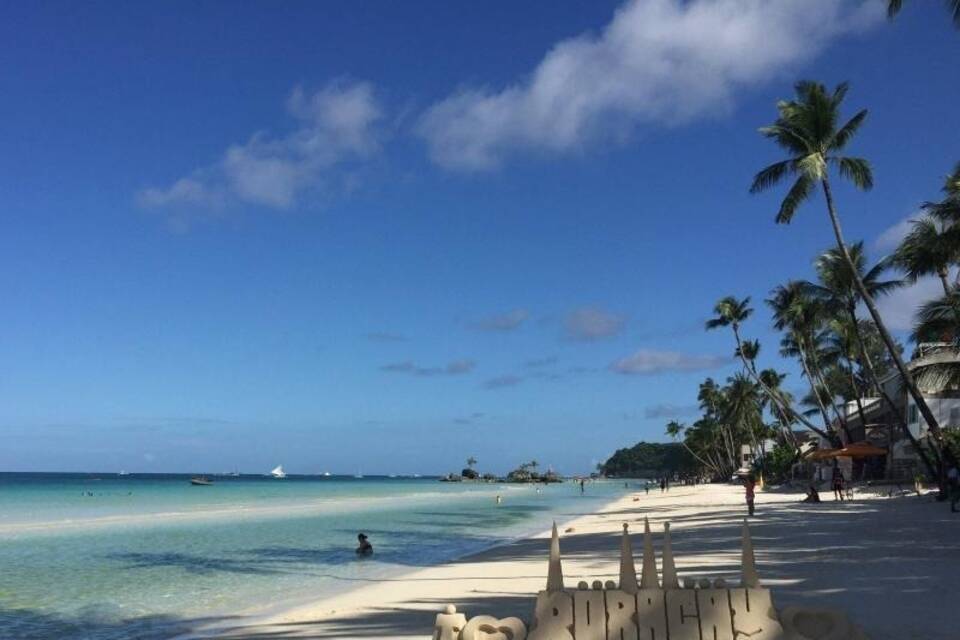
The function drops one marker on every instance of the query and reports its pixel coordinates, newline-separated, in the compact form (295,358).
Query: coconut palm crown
(807,130)
(930,248)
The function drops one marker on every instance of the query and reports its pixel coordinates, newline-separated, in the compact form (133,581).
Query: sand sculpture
(659,607)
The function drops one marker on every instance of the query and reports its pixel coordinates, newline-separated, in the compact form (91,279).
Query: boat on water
(278,472)
(201,481)
(123,473)
(326,474)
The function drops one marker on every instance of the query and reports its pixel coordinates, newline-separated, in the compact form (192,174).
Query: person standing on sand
(953,484)
(837,482)
(750,485)
(663,485)
(583,483)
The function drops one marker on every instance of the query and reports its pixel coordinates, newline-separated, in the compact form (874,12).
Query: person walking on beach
(663,485)
(583,487)
(750,485)
(837,482)
(953,484)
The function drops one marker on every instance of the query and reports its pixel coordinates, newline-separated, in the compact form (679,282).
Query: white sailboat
(278,472)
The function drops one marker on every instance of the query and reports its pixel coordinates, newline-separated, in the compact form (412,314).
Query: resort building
(878,422)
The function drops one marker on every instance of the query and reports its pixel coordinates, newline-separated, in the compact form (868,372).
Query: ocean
(149,556)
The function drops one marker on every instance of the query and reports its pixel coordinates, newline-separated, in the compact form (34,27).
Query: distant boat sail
(278,472)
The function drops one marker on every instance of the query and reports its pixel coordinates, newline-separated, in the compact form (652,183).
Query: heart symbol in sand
(490,628)
(816,624)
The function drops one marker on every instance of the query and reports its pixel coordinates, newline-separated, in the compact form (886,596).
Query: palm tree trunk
(943,274)
(773,397)
(868,366)
(818,371)
(701,460)
(813,389)
(908,380)
(856,395)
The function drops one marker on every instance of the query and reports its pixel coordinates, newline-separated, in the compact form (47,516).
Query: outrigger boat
(201,481)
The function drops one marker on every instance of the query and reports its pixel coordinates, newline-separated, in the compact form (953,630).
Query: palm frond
(770,176)
(927,249)
(857,171)
(799,192)
(847,131)
(894,7)
(937,320)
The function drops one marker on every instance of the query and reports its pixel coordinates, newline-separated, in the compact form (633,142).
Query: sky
(382,237)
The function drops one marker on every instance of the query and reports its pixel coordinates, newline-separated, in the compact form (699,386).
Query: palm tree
(675,430)
(795,312)
(931,248)
(953,6)
(471,461)
(731,312)
(947,209)
(807,129)
(744,411)
(837,290)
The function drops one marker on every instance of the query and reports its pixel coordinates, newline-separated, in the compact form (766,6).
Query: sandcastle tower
(655,607)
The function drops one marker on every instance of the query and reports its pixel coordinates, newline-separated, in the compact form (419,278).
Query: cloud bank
(657,62)
(651,362)
(335,125)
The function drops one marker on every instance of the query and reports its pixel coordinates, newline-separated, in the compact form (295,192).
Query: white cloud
(335,125)
(891,237)
(501,382)
(386,336)
(656,62)
(592,324)
(503,322)
(453,368)
(898,308)
(658,411)
(651,362)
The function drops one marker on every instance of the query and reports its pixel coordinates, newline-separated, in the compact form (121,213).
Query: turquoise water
(105,557)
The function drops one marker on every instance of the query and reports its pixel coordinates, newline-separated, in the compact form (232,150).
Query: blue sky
(385,236)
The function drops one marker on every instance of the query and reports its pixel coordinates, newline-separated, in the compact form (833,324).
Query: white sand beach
(892,563)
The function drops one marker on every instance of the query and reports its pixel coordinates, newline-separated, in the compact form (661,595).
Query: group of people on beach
(838,484)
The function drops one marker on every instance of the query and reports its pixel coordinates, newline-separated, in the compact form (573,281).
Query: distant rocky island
(526,473)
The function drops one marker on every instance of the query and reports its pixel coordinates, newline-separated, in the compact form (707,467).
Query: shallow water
(85,556)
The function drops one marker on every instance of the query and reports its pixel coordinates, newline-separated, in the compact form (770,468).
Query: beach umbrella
(860,450)
(823,454)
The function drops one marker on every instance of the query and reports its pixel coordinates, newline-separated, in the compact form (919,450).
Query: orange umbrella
(860,450)
(823,454)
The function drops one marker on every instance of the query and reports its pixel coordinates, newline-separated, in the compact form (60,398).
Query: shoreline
(850,555)
(306,608)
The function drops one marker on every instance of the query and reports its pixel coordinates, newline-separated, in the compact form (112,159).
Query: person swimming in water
(364,548)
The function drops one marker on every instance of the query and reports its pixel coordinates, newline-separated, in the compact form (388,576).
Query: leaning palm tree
(795,313)
(731,312)
(837,289)
(931,248)
(675,430)
(807,128)
(953,6)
